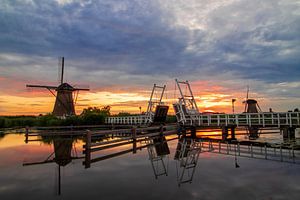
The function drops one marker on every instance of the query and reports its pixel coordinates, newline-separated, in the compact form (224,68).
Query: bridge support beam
(224,133)
(232,132)
(253,132)
(288,133)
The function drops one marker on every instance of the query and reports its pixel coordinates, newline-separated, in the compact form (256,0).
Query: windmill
(65,95)
(251,106)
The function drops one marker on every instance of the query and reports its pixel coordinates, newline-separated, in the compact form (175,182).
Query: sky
(120,48)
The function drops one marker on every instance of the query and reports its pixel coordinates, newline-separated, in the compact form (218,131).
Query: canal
(53,169)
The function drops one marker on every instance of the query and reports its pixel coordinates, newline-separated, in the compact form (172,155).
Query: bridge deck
(132,120)
(291,119)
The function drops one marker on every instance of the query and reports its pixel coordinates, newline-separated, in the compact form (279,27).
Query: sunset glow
(120,49)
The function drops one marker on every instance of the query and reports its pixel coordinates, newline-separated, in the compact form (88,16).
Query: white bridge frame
(128,120)
(187,113)
(148,117)
(266,119)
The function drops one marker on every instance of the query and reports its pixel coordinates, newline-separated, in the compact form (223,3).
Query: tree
(95,110)
(94,115)
(123,114)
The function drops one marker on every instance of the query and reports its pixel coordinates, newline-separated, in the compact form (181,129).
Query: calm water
(131,176)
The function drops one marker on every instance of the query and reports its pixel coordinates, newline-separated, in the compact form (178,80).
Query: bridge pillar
(288,133)
(224,133)
(253,132)
(193,130)
(133,135)
(232,132)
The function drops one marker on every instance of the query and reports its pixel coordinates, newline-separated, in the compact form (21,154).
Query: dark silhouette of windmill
(251,106)
(65,95)
(62,156)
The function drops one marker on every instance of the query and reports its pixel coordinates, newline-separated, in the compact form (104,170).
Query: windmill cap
(65,86)
(251,101)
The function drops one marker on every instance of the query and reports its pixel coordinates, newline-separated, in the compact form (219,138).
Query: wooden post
(133,132)
(266,152)
(88,149)
(224,133)
(26,134)
(281,154)
(232,131)
(210,146)
(227,147)
(293,154)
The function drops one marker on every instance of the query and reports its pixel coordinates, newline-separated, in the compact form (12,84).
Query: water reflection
(183,169)
(187,154)
(62,155)
(158,150)
(2,135)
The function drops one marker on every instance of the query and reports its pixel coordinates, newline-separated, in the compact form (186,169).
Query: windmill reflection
(186,155)
(62,156)
(158,149)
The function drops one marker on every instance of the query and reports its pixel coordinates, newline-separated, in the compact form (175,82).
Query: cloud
(166,37)
(127,45)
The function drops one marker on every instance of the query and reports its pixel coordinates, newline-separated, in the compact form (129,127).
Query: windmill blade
(84,89)
(259,107)
(247,97)
(38,162)
(81,87)
(42,86)
(61,66)
(76,96)
(59,70)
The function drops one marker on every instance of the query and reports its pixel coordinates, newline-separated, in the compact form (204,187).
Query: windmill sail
(64,103)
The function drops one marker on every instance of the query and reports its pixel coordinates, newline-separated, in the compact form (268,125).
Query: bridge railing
(245,119)
(134,120)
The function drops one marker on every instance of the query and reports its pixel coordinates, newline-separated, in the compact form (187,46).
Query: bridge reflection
(185,155)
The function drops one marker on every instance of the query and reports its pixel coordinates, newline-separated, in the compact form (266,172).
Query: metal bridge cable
(165,93)
(175,92)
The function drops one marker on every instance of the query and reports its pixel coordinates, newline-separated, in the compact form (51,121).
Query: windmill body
(64,103)
(251,106)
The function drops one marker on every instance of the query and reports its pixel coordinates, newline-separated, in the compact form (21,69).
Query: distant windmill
(251,106)
(64,103)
